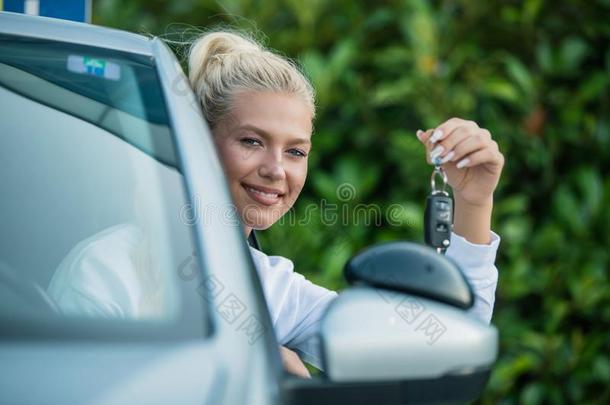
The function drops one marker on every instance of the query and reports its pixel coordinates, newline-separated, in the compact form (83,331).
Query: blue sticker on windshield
(94,67)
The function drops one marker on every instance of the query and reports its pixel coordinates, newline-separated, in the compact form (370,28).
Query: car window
(91,193)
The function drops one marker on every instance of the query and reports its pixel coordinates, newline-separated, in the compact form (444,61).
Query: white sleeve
(477,262)
(311,301)
(296,305)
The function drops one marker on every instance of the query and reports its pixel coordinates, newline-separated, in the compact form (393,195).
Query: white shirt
(297,305)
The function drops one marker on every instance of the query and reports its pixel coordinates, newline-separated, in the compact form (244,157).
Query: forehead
(278,114)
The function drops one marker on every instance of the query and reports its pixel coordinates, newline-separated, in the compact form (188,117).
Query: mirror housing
(372,334)
(403,332)
(413,269)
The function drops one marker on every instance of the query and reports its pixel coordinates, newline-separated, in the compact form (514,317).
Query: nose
(272,167)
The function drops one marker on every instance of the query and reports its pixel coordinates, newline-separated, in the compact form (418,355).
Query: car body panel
(236,361)
(105,373)
(74,32)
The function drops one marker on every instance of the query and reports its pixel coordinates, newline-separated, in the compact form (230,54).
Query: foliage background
(536,73)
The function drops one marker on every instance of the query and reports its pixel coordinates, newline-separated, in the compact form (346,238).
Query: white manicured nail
(419,133)
(436,136)
(436,152)
(462,163)
(447,157)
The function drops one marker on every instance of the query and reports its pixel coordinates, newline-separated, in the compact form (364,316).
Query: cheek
(230,155)
(299,176)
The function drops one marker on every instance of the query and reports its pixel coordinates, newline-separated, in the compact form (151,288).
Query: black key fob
(438,220)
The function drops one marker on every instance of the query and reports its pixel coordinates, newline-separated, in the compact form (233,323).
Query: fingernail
(436,135)
(462,163)
(447,157)
(436,152)
(419,133)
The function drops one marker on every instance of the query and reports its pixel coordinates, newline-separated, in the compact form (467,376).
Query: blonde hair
(222,64)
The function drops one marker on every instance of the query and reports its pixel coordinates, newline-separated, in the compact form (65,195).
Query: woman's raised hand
(471,158)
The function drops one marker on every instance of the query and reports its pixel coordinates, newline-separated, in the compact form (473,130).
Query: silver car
(105,160)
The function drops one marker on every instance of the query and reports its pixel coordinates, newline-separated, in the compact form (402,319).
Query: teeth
(262,193)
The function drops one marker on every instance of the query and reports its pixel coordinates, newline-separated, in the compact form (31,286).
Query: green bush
(536,73)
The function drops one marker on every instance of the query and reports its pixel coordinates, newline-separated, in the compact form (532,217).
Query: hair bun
(223,63)
(213,47)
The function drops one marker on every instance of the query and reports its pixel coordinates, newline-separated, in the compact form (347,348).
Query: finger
(489,155)
(460,134)
(443,150)
(424,136)
(448,126)
(471,144)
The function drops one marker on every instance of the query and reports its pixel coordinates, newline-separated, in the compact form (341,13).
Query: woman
(260,109)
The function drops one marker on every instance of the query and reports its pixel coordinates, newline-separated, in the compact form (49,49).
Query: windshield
(91,189)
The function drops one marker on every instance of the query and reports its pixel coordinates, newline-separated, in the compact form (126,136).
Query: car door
(119,284)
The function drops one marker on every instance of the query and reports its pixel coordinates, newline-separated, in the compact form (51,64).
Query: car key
(438,216)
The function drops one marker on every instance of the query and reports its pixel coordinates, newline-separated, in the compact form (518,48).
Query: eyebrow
(267,136)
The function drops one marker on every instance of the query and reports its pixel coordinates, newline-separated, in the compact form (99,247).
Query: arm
(473,164)
(473,222)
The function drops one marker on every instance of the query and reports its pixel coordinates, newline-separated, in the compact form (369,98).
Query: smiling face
(263,144)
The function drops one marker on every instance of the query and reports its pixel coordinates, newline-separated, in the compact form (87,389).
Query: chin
(260,227)
(261,218)
(260,223)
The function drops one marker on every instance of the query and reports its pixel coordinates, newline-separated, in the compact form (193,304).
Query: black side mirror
(413,269)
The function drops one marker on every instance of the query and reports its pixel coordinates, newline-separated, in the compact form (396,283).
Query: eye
(250,142)
(297,153)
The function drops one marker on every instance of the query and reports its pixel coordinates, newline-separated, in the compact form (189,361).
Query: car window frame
(188,324)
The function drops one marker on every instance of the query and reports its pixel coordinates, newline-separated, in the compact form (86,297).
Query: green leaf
(590,185)
(521,75)
(593,87)
(567,209)
(501,89)
(544,57)
(533,393)
(516,230)
(514,204)
(324,185)
(601,368)
(394,92)
(572,53)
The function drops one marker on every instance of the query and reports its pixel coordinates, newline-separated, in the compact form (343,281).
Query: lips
(263,195)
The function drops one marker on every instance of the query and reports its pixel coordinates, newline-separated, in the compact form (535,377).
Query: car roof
(74,32)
